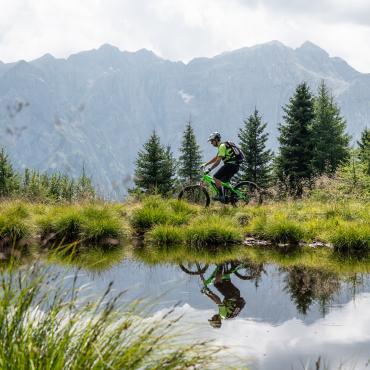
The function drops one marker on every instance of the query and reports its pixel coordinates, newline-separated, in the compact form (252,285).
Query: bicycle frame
(207,179)
(225,276)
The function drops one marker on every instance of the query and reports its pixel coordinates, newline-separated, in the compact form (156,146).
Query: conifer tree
(364,147)
(257,164)
(169,171)
(190,159)
(330,142)
(294,162)
(9,180)
(155,168)
(85,188)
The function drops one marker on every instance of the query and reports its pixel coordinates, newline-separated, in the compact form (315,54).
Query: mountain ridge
(98,107)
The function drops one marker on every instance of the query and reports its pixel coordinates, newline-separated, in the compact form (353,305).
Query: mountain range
(97,108)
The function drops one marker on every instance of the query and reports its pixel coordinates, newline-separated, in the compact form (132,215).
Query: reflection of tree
(308,285)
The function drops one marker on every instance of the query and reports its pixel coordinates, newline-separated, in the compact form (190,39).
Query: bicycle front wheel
(195,194)
(250,193)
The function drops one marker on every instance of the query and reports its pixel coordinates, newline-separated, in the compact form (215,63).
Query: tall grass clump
(158,211)
(48,326)
(14,223)
(212,231)
(277,228)
(91,224)
(165,236)
(100,224)
(351,237)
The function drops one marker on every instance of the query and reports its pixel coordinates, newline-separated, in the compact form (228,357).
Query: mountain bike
(243,270)
(242,193)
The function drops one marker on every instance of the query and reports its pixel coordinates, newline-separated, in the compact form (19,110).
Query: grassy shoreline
(167,224)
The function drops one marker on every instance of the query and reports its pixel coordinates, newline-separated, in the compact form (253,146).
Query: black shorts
(226,172)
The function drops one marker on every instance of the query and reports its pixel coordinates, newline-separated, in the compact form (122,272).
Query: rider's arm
(213,160)
(215,163)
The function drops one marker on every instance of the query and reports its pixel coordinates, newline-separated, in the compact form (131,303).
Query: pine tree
(330,142)
(9,180)
(85,188)
(169,172)
(257,164)
(155,167)
(190,159)
(294,162)
(364,147)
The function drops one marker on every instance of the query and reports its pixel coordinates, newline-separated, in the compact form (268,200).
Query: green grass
(351,237)
(212,231)
(158,211)
(165,236)
(208,232)
(14,223)
(91,224)
(277,228)
(169,222)
(48,326)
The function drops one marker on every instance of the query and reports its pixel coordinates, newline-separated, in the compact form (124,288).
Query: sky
(183,29)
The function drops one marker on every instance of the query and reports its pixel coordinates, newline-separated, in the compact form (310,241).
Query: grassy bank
(343,225)
(44,325)
(166,224)
(52,226)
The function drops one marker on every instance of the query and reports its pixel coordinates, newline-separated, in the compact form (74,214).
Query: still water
(268,317)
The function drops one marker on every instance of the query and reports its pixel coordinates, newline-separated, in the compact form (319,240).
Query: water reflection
(275,317)
(308,285)
(232,302)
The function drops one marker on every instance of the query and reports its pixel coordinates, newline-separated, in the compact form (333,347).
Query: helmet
(214,136)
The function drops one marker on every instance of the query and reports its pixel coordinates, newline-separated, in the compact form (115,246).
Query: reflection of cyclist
(230,155)
(232,304)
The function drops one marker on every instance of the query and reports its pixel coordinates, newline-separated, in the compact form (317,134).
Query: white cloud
(182,29)
(343,336)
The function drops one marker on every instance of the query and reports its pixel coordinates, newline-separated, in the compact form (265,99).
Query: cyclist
(232,303)
(227,153)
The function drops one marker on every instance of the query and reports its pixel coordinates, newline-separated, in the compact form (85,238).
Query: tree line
(312,142)
(35,185)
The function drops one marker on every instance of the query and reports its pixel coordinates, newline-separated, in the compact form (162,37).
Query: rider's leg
(224,174)
(218,178)
(219,187)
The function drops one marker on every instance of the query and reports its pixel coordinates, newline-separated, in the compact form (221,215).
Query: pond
(267,316)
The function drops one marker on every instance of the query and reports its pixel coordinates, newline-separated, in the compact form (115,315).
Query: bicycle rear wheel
(249,271)
(195,194)
(193,268)
(251,194)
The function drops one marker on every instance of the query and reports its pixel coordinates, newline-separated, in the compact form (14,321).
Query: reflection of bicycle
(243,270)
(244,192)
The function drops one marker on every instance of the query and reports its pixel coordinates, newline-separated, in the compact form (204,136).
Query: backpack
(238,154)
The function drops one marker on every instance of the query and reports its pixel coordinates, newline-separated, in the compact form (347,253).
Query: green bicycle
(242,193)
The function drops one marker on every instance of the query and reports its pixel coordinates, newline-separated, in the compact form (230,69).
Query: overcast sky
(183,29)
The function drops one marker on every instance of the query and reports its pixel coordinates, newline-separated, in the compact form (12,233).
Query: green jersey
(227,154)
